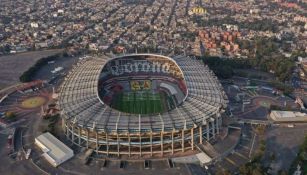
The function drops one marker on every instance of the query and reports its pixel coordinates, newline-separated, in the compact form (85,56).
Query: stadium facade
(141,104)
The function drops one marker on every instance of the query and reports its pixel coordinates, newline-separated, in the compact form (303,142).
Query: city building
(288,116)
(55,152)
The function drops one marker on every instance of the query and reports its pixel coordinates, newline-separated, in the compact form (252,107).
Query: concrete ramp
(203,158)
(208,149)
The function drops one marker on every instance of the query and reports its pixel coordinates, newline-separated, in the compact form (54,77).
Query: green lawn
(139,102)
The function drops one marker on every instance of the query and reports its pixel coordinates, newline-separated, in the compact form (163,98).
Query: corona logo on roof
(198,11)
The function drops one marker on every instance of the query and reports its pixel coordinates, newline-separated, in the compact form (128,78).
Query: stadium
(141,104)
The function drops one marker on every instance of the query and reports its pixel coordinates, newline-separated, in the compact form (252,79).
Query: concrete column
(87,138)
(172,142)
(107,141)
(192,140)
(161,139)
(63,124)
(150,143)
(67,131)
(79,133)
(208,130)
(129,148)
(182,140)
(97,142)
(213,128)
(72,134)
(140,145)
(217,125)
(200,134)
(117,138)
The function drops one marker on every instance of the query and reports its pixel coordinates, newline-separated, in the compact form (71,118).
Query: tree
(28,74)
(223,172)
(257,171)
(7,48)
(282,172)
(223,67)
(282,87)
(272,157)
(10,115)
(224,71)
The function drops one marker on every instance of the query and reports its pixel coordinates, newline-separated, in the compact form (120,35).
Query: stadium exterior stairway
(208,149)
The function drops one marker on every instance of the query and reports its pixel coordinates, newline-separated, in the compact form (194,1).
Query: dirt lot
(12,66)
(284,142)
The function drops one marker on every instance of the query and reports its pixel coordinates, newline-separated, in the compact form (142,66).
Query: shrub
(10,115)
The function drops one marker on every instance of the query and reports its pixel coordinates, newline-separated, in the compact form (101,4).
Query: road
(17,166)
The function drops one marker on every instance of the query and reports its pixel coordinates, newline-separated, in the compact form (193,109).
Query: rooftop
(55,148)
(80,103)
(289,114)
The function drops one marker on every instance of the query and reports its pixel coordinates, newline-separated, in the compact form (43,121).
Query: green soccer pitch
(140,102)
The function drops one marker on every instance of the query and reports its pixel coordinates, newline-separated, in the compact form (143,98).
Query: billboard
(137,85)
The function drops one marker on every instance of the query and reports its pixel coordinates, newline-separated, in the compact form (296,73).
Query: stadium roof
(80,102)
